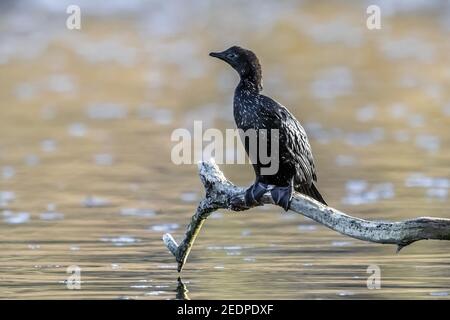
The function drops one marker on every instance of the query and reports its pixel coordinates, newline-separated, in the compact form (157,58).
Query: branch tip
(170,243)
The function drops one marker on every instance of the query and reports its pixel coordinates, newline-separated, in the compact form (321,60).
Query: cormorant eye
(231,55)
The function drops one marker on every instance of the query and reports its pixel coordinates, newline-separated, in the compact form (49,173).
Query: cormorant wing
(295,141)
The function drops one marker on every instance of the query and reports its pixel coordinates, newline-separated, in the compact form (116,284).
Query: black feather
(310,191)
(253,110)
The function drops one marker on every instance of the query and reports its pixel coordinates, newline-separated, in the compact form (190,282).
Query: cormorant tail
(310,191)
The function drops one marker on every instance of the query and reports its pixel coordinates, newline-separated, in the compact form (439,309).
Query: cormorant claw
(282,196)
(254,194)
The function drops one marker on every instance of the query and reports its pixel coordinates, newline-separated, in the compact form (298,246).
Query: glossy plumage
(253,110)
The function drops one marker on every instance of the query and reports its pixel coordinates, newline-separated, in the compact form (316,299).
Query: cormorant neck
(252,83)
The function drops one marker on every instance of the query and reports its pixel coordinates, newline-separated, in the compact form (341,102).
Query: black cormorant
(253,110)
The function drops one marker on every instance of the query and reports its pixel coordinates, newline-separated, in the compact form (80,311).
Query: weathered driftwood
(222,194)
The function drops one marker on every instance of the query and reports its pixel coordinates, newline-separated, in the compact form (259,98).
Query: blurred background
(86,117)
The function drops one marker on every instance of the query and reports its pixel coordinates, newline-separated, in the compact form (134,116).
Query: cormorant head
(244,62)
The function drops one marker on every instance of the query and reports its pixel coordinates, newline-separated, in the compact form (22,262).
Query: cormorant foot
(254,194)
(282,196)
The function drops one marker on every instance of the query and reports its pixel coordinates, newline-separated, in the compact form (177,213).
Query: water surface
(85,123)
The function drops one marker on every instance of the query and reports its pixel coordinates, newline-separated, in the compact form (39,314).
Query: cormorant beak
(218,55)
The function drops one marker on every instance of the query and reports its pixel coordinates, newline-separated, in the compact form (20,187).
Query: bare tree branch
(222,194)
